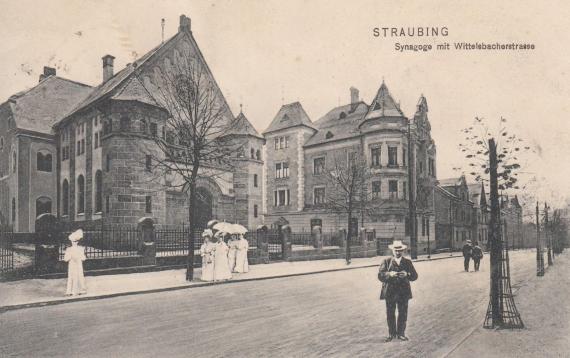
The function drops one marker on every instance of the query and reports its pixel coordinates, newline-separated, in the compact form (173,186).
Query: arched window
(342,115)
(43,162)
(43,205)
(125,123)
(1,143)
(14,161)
(13,209)
(98,191)
(143,126)
(65,197)
(258,155)
(80,194)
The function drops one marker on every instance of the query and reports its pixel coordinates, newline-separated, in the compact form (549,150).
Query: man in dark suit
(396,273)
(467,251)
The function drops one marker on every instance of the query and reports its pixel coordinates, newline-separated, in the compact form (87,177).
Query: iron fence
(174,240)
(103,242)
(6,250)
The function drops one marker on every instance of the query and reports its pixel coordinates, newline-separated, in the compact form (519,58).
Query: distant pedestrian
(207,253)
(221,267)
(477,254)
(74,256)
(396,273)
(241,258)
(467,252)
(233,249)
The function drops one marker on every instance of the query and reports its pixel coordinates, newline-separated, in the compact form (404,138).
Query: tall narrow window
(154,130)
(375,156)
(148,204)
(80,194)
(14,161)
(13,209)
(318,166)
(318,196)
(107,204)
(255,180)
(252,153)
(393,189)
(143,126)
(96,141)
(285,170)
(148,164)
(393,156)
(98,191)
(65,198)
(405,190)
(376,189)
(278,172)
(276,143)
(108,163)
(404,156)
(255,211)
(258,155)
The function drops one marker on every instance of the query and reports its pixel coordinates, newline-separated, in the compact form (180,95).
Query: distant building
(299,151)
(82,152)
(454,214)
(512,223)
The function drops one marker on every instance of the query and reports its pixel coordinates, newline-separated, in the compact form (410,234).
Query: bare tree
(195,141)
(347,192)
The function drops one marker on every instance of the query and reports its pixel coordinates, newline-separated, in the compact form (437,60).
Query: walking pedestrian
(396,273)
(241,258)
(207,252)
(477,254)
(74,256)
(221,267)
(467,252)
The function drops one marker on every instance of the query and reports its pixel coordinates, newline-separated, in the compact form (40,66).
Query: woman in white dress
(233,247)
(221,267)
(207,253)
(74,256)
(241,258)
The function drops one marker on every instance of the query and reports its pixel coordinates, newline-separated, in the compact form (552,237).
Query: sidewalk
(42,292)
(545,311)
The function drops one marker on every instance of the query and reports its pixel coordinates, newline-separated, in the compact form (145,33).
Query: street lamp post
(412,197)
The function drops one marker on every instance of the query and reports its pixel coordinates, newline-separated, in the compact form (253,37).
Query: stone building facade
(100,143)
(299,151)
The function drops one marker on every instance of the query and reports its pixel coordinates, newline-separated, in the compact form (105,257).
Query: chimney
(184,23)
(353,95)
(107,67)
(48,71)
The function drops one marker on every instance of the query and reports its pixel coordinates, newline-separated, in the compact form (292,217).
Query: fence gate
(6,251)
(275,244)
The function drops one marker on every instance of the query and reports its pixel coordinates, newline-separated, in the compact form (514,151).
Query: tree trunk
(348,237)
(191,225)
(495,237)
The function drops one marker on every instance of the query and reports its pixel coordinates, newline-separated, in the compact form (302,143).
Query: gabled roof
(384,105)
(113,83)
(289,115)
(244,127)
(339,123)
(477,194)
(38,108)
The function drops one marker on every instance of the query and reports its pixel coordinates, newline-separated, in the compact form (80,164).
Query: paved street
(324,314)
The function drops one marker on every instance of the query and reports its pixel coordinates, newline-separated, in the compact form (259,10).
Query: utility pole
(412,195)
(539,261)
(548,237)
(451,230)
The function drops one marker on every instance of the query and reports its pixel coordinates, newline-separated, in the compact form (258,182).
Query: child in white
(74,256)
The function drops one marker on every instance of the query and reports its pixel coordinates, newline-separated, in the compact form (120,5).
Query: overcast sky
(265,52)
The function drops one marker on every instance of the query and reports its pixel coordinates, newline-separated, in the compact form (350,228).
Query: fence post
(287,244)
(47,241)
(147,246)
(262,250)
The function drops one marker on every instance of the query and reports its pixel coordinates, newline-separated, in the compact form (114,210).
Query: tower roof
(289,115)
(384,105)
(244,127)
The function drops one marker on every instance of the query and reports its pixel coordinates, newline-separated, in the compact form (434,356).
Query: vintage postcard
(316,178)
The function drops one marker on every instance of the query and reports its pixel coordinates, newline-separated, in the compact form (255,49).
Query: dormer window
(329,135)
(377,106)
(342,115)
(285,118)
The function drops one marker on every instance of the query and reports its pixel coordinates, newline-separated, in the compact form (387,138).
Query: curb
(187,286)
